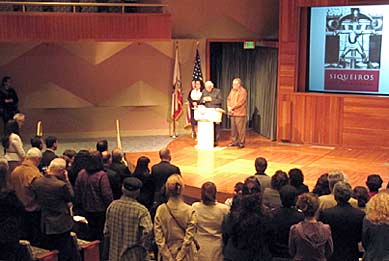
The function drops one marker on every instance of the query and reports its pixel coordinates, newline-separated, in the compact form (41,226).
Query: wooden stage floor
(225,166)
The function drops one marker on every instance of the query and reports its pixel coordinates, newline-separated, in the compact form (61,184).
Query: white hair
(19,116)
(33,153)
(208,83)
(57,165)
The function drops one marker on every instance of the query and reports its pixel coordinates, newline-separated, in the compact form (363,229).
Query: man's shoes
(232,145)
(241,146)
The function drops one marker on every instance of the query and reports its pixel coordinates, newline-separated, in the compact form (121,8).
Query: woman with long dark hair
(13,145)
(142,172)
(194,97)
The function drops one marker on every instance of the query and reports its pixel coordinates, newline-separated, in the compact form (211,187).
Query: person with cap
(128,225)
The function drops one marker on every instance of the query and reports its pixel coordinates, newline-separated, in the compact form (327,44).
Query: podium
(205,118)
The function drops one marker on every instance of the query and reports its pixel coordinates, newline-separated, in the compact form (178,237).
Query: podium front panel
(205,135)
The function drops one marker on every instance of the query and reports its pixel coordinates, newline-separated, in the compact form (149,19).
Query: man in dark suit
(118,165)
(162,171)
(49,154)
(212,98)
(345,222)
(113,176)
(55,193)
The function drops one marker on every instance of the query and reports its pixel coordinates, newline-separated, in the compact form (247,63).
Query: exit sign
(249,45)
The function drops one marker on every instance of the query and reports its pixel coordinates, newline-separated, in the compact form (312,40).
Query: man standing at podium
(212,98)
(236,106)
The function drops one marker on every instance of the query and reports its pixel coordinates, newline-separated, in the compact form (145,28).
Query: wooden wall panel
(323,119)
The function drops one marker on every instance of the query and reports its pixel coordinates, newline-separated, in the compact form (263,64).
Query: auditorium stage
(225,166)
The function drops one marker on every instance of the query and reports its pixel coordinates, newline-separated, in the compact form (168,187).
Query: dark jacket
(121,169)
(8,110)
(11,210)
(115,182)
(47,157)
(54,195)
(375,240)
(346,228)
(282,219)
(310,241)
(161,172)
(217,98)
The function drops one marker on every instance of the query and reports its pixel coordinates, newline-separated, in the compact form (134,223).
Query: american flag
(177,101)
(196,76)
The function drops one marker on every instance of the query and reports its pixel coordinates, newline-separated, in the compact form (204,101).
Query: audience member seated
(251,185)
(93,195)
(81,161)
(322,188)
(114,178)
(54,193)
(11,211)
(247,230)
(328,201)
(49,154)
(21,179)
(118,165)
(282,219)
(260,167)
(128,227)
(102,145)
(346,224)
(375,231)
(37,142)
(271,196)
(13,145)
(175,224)
(361,194)
(161,171)
(142,172)
(210,215)
(310,239)
(296,179)
(374,183)
(237,190)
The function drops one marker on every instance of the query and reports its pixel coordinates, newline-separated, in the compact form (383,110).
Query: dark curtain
(257,69)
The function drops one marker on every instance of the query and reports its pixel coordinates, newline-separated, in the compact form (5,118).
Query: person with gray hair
(11,209)
(212,97)
(328,201)
(21,180)
(345,222)
(54,193)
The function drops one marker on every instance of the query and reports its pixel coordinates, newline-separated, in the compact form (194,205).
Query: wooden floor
(225,166)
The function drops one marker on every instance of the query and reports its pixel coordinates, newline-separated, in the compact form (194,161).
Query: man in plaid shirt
(128,225)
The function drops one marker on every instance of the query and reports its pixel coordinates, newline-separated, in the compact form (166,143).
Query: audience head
(238,188)
(260,165)
(6,82)
(51,142)
(209,86)
(19,118)
(4,176)
(34,155)
(374,182)
(164,154)
(117,155)
(377,209)
(208,193)
(296,177)
(95,163)
(142,165)
(334,177)
(174,186)
(37,142)
(131,187)
(361,194)
(342,192)
(57,167)
(322,188)
(102,145)
(106,157)
(69,156)
(251,185)
(288,195)
(308,203)
(279,179)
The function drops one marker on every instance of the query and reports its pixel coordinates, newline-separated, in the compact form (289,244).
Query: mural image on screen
(345,49)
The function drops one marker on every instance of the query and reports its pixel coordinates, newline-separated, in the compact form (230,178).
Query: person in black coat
(346,224)
(161,171)
(142,172)
(49,154)
(8,100)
